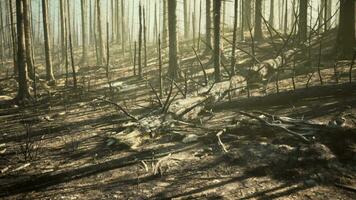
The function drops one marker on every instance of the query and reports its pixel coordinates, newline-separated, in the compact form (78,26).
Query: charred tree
(234,40)
(258,25)
(173,45)
(101,56)
(208,25)
(165,25)
(23,90)
(49,70)
(303,20)
(346,33)
(28,41)
(84,31)
(217,32)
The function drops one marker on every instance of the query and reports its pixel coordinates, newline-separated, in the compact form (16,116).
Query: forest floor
(63,146)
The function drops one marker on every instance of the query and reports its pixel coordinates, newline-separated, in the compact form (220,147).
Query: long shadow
(42,181)
(285,98)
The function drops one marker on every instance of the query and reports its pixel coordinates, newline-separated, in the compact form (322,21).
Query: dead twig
(220,142)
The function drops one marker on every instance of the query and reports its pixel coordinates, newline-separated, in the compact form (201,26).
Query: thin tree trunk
(217,32)
(84,31)
(140,43)
(165,26)
(123,27)
(173,45)
(100,32)
(208,25)
(28,42)
(13,35)
(186,19)
(49,70)
(234,40)
(271,14)
(71,47)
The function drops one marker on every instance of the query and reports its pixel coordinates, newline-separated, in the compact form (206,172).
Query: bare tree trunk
(140,43)
(84,8)
(303,20)
(28,42)
(286,18)
(186,19)
(346,34)
(258,25)
(49,70)
(165,26)
(23,90)
(234,40)
(100,32)
(71,48)
(63,29)
(217,32)
(13,35)
(123,26)
(271,14)
(208,25)
(173,45)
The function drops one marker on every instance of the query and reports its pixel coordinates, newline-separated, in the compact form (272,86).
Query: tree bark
(173,46)
(23,90)
(258,25)
(303,20)
(28,42)
(101,60)
(63,30)
(346,34)
(208,25)
(217,32)
(186,19)
(49,70)
(234,40)
(271,15)
(165,26)
(84,8)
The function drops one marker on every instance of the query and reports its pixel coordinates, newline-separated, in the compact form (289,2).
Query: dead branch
(219,140)
(298,135)
(120,108)
(202,66)
(156,94)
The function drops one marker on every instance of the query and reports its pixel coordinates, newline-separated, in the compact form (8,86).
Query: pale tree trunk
(208,25)
(28,42)
(23,90)
(63,30)
(123,27)
(165,26)
(13,35)
(49,70)
(173,45)
(234,40)
(84,8)
(186,19)
(271,15)
(101,60)
(217,32)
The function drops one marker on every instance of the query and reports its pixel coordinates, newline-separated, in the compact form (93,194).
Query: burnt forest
(178,99)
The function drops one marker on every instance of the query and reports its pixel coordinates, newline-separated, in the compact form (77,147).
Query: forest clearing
(168,99)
